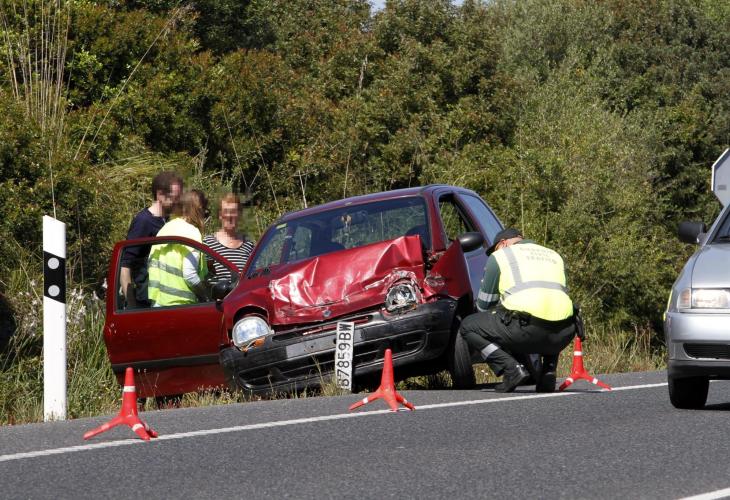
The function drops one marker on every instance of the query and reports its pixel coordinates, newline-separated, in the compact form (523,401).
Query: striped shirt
(238,256)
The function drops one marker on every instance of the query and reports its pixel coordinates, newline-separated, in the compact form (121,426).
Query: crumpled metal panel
(345,281)
(449,275)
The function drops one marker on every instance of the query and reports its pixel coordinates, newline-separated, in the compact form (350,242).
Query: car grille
(713,351)
(322,364)
(283,335)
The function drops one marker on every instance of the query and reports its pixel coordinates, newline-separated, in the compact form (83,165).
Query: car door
(456,220)
(173,349)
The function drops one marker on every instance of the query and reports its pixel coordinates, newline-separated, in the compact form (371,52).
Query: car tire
(459,361)
(689,393)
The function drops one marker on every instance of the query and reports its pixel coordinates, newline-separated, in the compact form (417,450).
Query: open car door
(173,349)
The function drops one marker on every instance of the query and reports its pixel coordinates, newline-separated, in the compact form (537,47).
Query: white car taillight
(684,301)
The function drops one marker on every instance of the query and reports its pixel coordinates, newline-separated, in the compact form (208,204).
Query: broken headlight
(249,331)
(400,297)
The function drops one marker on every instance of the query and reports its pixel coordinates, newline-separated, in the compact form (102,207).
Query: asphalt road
(457,444)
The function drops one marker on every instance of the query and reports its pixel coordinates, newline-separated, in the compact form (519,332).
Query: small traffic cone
(386,391)
(128,414)
(577,372)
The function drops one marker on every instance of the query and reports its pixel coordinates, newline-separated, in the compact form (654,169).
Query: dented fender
(449,275)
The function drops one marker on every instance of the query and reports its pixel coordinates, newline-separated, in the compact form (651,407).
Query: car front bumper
(698,344)
(286,363)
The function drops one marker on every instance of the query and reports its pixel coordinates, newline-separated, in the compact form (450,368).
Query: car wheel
(459,361)
(689,393)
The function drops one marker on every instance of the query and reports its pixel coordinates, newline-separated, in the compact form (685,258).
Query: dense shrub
(591,125)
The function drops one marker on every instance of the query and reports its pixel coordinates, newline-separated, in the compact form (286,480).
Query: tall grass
(93,389)
(91,386)
(36,59)
(607,349)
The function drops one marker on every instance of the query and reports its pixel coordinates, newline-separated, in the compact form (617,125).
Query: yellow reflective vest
(532,280)
(167,287)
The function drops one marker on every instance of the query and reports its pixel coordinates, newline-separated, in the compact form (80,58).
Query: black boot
(513,376)
(546,382)
(533,365)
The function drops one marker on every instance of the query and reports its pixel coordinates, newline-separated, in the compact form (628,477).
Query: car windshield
(342,228)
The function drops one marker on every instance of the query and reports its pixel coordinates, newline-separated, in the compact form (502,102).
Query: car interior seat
(320,247)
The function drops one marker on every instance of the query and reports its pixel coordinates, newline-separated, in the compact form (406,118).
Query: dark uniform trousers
(509,334)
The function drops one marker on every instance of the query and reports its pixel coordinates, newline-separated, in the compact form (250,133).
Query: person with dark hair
(178,271)
(166,190)
(227,241)
(524,309)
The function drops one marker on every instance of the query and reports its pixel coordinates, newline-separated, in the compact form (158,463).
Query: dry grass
(605,350)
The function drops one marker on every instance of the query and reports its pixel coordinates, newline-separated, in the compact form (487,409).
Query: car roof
(366,198)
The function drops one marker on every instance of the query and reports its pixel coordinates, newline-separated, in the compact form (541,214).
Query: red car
(404,266)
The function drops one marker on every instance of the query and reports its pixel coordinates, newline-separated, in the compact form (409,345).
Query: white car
(697,322)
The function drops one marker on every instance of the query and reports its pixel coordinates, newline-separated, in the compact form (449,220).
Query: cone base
(578,372)
(128,414)
(386,391)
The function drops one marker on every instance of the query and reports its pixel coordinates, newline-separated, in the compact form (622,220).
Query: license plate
(343,354)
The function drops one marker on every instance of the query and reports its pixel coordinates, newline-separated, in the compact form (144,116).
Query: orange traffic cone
(386,391)
(577,372)
(128,414)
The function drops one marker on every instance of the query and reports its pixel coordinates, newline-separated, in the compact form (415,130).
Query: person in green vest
(524,309)
(178,271)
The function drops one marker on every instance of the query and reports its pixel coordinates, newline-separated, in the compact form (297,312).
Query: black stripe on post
(54,277)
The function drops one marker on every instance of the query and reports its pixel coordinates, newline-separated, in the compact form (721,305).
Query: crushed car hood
(710,267)
(341,282)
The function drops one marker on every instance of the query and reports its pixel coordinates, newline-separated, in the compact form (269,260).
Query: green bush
(591,125)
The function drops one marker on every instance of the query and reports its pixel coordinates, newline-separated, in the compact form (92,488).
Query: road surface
(627,443)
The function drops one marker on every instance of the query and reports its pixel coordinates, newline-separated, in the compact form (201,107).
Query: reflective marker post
(54,319)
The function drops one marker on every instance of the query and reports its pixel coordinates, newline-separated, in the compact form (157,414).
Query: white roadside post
(721,178)
(343,354)
(54,319)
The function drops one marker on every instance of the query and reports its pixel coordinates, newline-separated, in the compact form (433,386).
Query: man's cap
(504,234)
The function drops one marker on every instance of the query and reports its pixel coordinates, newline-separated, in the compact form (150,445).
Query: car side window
(165,274)
(454,222)
(484,215)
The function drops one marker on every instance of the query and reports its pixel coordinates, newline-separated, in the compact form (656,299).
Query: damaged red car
(404,266)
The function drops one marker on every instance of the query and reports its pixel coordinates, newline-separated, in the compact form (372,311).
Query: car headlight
(704,298)
(249,331)
(401,296)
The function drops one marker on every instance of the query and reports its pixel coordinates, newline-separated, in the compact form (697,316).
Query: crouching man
(524,308)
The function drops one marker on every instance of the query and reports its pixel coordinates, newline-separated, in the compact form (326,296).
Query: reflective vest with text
(532,280)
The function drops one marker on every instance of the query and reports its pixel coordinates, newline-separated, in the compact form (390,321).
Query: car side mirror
(470,241)
(689,231)
(221,289)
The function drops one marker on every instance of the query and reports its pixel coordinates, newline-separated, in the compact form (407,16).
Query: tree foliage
(589,124)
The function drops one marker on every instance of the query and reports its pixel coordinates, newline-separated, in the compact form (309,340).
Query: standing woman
(177,271)
(227,241)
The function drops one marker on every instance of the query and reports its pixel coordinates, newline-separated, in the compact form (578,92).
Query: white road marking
(283,423)
(712,495)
